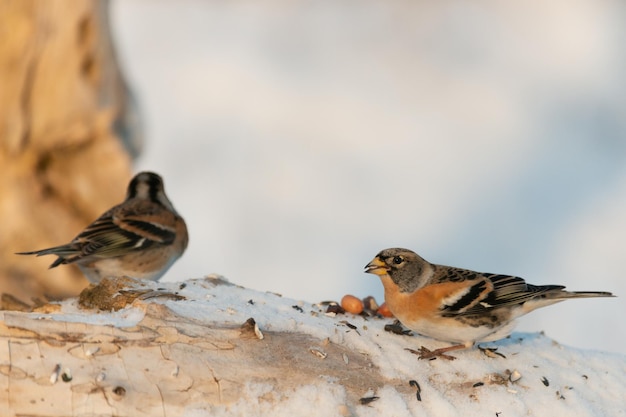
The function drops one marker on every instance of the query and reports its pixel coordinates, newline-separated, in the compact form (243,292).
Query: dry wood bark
(63,109)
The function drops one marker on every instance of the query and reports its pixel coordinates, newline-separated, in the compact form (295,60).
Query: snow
(300,138)
(577,382)
(122,318)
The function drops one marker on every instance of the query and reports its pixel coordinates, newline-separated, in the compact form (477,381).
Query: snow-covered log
(207,347)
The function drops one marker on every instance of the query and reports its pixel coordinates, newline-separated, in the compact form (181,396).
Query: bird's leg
(425,353)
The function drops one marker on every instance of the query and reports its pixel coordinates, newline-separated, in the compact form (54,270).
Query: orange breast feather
(420,304)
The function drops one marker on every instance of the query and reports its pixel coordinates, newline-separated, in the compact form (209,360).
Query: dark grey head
(405,268)
(149,186)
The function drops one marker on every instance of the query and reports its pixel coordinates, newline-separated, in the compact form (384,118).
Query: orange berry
(352,304)
(384,311)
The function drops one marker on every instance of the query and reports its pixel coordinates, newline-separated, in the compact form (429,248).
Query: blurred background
(300,138)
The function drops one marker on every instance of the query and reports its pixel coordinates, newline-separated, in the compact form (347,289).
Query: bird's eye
(397,260)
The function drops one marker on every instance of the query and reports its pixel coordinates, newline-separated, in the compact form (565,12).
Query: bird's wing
(463,298)
(492,291)
(125,230)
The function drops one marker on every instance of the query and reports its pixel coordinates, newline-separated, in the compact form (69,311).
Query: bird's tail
(556,294)
(578,294)
(62,252)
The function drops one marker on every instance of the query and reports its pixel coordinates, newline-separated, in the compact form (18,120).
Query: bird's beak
(377,266)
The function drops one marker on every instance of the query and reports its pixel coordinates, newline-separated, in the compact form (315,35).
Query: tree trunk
(67,134)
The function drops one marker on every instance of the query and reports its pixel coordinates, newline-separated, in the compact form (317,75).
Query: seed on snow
(318,352)
(66,376)
(418,393)
(54,376)
(258,332)
(515,376)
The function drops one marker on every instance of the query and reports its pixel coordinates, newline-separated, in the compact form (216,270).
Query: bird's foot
(425,353)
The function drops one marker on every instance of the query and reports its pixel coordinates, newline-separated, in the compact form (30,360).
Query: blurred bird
(458,305)
(139,238)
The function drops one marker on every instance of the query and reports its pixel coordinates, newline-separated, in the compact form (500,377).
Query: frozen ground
(549,379)
(300,138)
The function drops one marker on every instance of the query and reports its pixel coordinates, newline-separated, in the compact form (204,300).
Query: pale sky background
(299,138)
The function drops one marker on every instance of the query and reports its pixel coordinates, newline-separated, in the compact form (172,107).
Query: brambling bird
(458,305)
(139,238)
